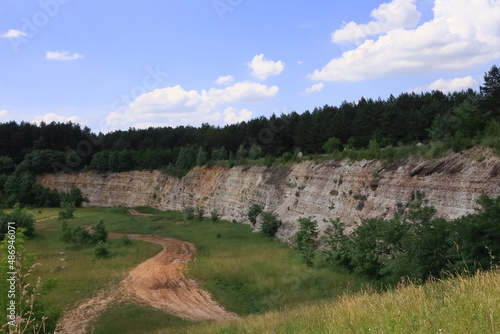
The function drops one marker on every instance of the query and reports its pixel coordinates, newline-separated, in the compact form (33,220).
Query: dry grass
(459,305)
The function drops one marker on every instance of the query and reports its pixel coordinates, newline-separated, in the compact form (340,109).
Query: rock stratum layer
(351,191)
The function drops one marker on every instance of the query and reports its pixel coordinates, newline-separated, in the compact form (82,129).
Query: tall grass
(459,305)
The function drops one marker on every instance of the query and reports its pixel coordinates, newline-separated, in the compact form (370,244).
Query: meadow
(245,272)
(261,279)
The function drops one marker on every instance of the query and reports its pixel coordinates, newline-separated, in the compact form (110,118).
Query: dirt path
(137,213)
(158,282)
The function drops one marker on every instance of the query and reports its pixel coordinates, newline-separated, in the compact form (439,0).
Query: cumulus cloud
(451,85)
(462,34)
(225,80)
(176,106)
(263,68)
(388,16)
(65,56)
(52,117)
(233,115)
(13,33)
(315,88)
(3,113)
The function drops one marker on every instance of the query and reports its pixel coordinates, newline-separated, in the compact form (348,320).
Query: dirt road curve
(158,282)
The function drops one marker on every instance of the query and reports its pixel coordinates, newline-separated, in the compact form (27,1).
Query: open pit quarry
(351,191)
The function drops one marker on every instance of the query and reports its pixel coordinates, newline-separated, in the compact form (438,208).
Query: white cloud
(225,80)
(451,85)
(462,34)
(315,88)
(176,106)
(65,56)
(233,115)
(388,16)
(3,113)
(263,68)
(13,33)
(52,117)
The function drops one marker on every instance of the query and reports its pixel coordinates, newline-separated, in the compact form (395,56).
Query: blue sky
(119,64)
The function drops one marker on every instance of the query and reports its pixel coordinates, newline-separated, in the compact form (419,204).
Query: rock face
(328,189)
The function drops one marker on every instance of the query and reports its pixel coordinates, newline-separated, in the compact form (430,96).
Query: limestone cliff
(329,189)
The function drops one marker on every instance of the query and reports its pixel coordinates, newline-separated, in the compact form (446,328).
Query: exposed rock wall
(350,191)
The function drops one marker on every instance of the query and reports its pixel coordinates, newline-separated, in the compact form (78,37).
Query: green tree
(331,145)
(305,239)
(21,218)
(490,92)
(99,232)
(270,223)
(255,152)
(201,157)
(475,238)
(68,210)
(338,245)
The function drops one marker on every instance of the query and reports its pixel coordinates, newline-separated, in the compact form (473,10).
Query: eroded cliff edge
(351,191)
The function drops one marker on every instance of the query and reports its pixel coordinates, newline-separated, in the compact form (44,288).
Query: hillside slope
(351,191)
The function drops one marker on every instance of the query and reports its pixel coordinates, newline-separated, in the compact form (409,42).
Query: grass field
(246,272)
(259,278)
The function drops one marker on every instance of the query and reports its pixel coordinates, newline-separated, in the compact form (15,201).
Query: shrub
(214,215)
(200,211)
(254,211)
(126,240)
(270,223)
(188,213)
(101,250)
(100,233)
(68,209)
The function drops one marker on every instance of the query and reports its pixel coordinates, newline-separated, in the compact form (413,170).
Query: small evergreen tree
(100,233)
(305,239)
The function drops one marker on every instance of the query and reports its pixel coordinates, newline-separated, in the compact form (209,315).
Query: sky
(113,65)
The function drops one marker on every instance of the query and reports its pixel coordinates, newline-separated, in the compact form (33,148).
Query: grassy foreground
(459,305)
(261,279)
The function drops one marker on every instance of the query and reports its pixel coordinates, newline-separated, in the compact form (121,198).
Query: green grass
(246,272)
(128,318)
(460,305)
(259,278)
(82,274)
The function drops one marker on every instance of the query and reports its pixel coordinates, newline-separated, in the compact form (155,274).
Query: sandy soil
(158,282)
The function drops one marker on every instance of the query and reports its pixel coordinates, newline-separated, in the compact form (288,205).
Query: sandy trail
(158,282)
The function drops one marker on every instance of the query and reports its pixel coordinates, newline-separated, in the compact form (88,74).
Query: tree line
(461,119)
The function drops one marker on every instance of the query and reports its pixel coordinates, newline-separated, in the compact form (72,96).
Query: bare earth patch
(137,213)
(158,282)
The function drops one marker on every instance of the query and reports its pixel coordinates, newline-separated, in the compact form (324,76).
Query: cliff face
(350,191)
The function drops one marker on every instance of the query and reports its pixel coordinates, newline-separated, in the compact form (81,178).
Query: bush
(126,240)
(270,223)
(188,213)
(200,211)
(22,219)
(68,210)
(100,233)
(214,215)
(254,211)
(101,250)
